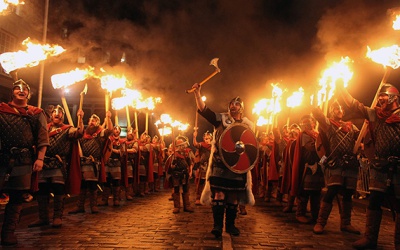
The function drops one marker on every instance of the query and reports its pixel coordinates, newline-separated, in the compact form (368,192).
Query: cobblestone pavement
(148,223)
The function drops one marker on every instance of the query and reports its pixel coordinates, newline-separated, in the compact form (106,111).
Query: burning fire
(112,82)
(338,70)
(31,57)
(5,3)
(396,23)
(295,99)
(387,56)
(65,80)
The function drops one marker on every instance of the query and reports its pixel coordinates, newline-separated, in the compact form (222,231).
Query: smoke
(169,44)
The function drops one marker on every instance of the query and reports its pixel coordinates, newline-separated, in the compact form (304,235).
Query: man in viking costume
(94,153)
(114,169)
(158,146)
(227,186)
(131,145)
(203,149)
(383,153)
(307,176)
(180,166)
(24,140)
(61,167)
(288,155)
(341,166)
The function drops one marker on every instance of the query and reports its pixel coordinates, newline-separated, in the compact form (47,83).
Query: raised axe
(214,62)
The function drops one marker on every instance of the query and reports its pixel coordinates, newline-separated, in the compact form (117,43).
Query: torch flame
(387,56)
(338,70)
(5,3)
(64,80)
(396,23)
(295,99)
(31,57)
(112,82)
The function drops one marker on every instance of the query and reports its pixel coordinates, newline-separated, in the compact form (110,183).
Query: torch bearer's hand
(108,114)
(80,113)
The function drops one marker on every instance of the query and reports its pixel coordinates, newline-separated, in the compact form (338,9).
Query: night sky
(169,45)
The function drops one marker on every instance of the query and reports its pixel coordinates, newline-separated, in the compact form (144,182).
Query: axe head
(214,62)
(84,91)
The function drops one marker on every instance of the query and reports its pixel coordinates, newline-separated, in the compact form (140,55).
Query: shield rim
(220,149)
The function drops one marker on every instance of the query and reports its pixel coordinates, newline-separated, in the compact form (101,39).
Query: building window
(7,44)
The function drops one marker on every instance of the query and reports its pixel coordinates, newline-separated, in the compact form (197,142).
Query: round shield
(238,148)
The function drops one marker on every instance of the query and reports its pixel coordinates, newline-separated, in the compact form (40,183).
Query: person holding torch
(384,123)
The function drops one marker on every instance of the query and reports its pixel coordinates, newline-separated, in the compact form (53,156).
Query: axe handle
(80,107)
(204,81)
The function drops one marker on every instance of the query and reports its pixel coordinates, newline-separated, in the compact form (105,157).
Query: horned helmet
(95,117)
(335,105)
(59,111)
(207,134)
(181,142)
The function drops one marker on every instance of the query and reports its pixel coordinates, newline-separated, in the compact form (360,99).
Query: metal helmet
(333,106)
(94,116)
(58,109)
(117,127)
(390,91)
(237,100)
(182,140)
(21,84)
(208,133)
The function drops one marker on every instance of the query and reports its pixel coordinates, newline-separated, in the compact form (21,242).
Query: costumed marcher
(307,176)
(340,166)
(383,154)
(168,177)
(203,150)
(96,148)
(180,166)
(61,170)
(114,167)
(158,154)
(274,166)
(24,140)
(262,163)
(131,165)
(288,155)
(225,189)
(145,164)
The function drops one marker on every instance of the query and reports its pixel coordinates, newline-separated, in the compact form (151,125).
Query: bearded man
(94,150)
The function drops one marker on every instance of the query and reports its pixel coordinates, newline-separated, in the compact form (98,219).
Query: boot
(323,215)
(186,203)
(302,210)
(11,218)
(230,217)
(345,218)
(116,196)
(129,192)
(200,188)
(397,232)
(218,210)
(80,204)
(372,226)
(315,204)
(177,203)
(43,207)
(279,196)
(157,185)
(289,205)
(268,195)
(93,201)
(242,210)
(58,210)
(104,196)
(142,187)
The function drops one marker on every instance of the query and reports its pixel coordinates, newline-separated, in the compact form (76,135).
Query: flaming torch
(5,3)
(294,101)
(388,57)
(83,93)
(111,83)
(64,80)
(338,70)
(31,57)
(276,106)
